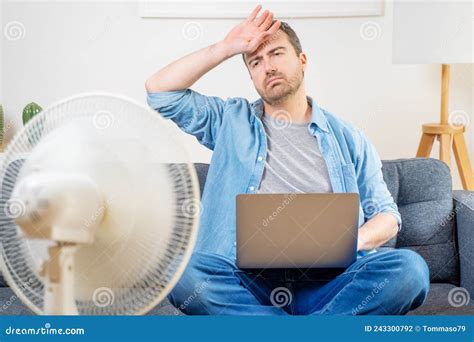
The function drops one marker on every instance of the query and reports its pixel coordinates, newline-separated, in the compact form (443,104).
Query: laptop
(304,230)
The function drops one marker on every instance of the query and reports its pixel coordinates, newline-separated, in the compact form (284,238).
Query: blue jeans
(387,282)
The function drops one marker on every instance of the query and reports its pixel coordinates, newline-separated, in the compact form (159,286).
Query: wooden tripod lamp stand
(451,137)
(437,33)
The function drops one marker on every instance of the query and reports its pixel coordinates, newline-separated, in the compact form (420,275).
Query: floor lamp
(438,32)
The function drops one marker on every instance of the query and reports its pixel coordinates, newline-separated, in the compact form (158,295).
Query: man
(282,142)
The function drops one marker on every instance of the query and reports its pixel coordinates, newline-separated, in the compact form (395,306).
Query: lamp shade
(438,32)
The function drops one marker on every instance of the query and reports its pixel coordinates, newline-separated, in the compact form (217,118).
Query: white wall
(69,48)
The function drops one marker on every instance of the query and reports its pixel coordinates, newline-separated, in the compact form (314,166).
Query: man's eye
(254,64)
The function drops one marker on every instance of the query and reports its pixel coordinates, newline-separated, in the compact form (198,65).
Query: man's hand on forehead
(247,36)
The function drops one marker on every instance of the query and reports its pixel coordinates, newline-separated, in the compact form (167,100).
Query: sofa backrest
(422,189)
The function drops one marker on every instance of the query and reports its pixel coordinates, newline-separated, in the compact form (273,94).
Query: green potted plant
(29,112)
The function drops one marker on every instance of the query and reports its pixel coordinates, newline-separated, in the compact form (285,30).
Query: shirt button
(235,243)
(260,158)
(252,188)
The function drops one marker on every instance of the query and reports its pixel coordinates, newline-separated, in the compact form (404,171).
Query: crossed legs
(390,282)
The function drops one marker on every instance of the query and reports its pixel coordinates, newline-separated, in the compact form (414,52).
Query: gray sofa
(438,223)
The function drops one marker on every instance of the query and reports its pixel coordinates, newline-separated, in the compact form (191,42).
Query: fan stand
(449,136)
(52,221)
(58,271)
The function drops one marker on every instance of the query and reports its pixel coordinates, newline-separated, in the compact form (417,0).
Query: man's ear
(303,60)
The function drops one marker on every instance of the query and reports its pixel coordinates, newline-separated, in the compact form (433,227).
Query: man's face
(275,69)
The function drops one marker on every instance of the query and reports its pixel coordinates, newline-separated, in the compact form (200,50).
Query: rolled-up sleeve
(374,194)
(193,112)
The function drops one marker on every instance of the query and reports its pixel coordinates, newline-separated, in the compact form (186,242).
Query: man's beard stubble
(277,94)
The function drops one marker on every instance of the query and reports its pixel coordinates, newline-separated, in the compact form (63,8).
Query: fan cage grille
(18,264)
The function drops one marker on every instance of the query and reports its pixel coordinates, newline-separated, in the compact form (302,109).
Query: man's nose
(269,68)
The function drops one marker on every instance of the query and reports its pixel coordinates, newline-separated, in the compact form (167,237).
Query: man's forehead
(277,39)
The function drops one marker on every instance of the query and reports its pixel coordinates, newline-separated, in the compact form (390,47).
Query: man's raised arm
(243,38)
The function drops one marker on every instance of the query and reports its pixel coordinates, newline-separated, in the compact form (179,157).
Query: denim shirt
(232,129)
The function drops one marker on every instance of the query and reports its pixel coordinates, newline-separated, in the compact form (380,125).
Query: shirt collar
(317,116)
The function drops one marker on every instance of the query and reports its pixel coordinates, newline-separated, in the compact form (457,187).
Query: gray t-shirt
(294,162)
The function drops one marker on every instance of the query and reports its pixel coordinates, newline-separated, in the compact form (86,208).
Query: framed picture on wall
(240,9)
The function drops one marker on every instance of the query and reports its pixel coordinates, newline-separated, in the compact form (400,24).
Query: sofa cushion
(439,302)
(421,187)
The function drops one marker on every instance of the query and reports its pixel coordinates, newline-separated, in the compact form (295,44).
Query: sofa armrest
(464,209)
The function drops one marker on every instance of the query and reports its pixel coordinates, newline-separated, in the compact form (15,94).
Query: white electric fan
(99,208)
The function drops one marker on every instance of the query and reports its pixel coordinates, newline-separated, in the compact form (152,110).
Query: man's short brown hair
(292,37)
